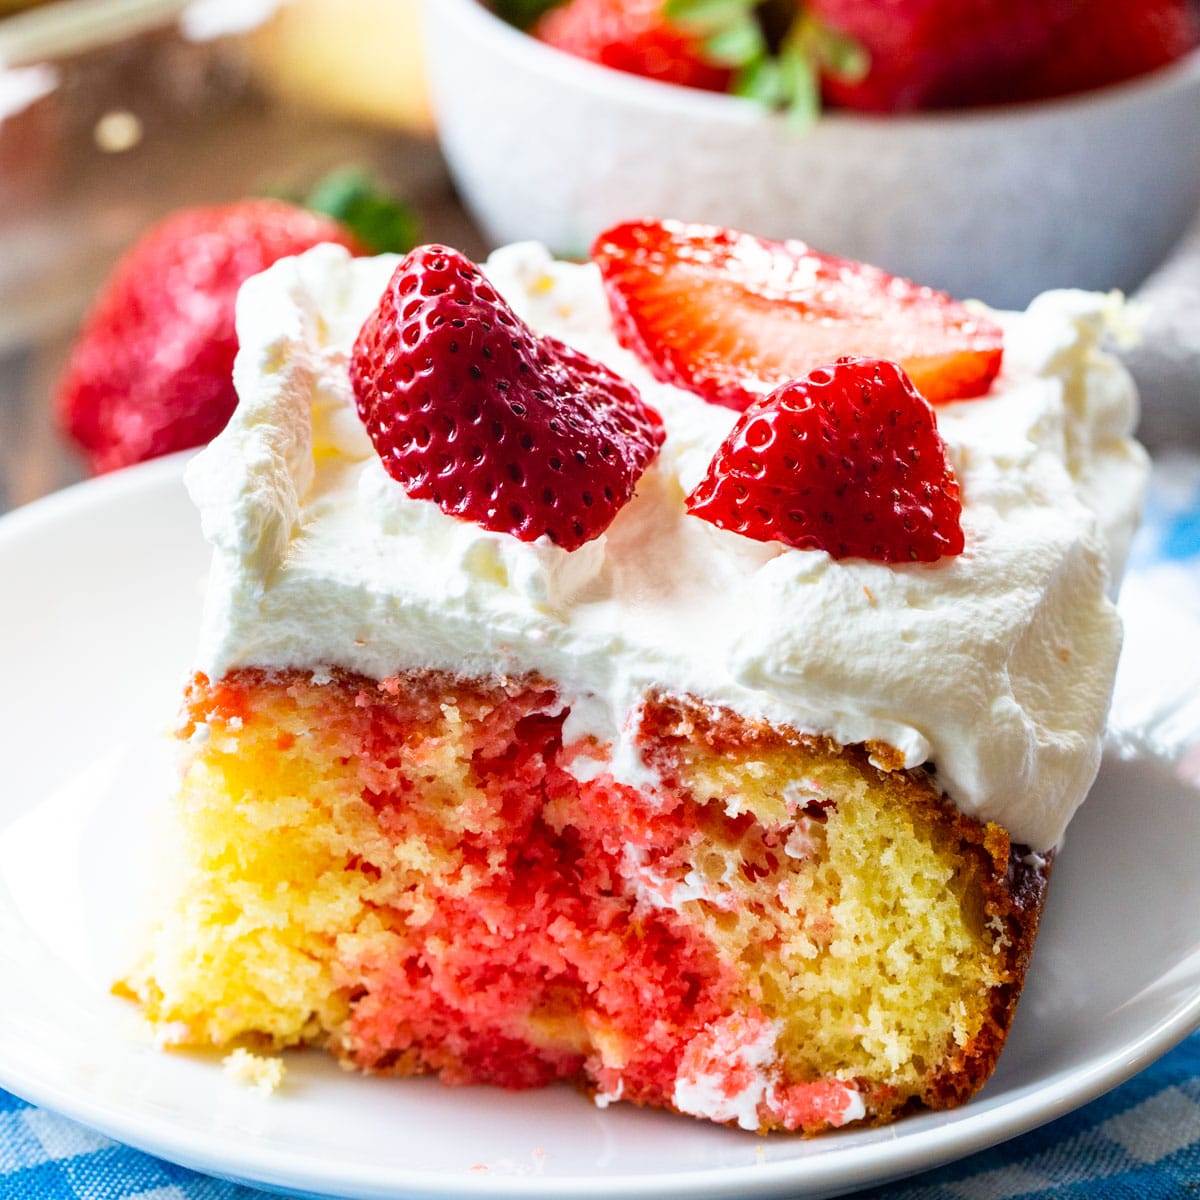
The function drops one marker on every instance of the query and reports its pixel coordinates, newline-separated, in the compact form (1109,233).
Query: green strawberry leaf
(523,13)
(843,57)
(708,16)
(761,81)
(737,45)
(778,49)
(800,84)
(382,223)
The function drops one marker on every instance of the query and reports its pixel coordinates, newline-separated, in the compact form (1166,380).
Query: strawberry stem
(780,54)
(523,13)
(738,45)
(779,50)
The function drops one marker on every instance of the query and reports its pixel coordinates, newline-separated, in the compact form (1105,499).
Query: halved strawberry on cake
(555,720)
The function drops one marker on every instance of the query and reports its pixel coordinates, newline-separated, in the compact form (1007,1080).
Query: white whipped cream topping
(743,1055)
(996,665)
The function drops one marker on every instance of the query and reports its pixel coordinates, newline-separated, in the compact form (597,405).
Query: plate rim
(840,1168)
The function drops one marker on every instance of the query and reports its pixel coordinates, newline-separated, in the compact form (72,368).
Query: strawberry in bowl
(862,55)
(975,158)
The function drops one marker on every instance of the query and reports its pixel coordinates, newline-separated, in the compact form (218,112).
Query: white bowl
(1087,191)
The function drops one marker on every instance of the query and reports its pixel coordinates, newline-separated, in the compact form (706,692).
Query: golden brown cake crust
(1014,880)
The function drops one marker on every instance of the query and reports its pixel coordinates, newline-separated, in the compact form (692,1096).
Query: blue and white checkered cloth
(1140,1142)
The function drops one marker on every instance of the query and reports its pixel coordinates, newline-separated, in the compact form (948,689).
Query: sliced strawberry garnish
(469,408)
(848,460)
(731,317)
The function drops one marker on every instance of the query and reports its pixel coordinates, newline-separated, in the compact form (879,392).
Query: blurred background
(114,113)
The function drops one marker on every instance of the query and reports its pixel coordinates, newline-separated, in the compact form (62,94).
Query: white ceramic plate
(100,591)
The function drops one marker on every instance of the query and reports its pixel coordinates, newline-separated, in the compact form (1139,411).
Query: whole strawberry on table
(151,371)
(867,55)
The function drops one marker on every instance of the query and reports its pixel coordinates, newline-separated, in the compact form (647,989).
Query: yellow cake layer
(843,904)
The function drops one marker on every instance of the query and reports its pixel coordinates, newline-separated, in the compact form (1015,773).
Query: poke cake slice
(621,673)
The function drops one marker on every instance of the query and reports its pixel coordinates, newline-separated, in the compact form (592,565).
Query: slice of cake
(556,720)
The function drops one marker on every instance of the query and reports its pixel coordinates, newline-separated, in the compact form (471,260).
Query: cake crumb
(171,1033)
(263,1075)
(885,757)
